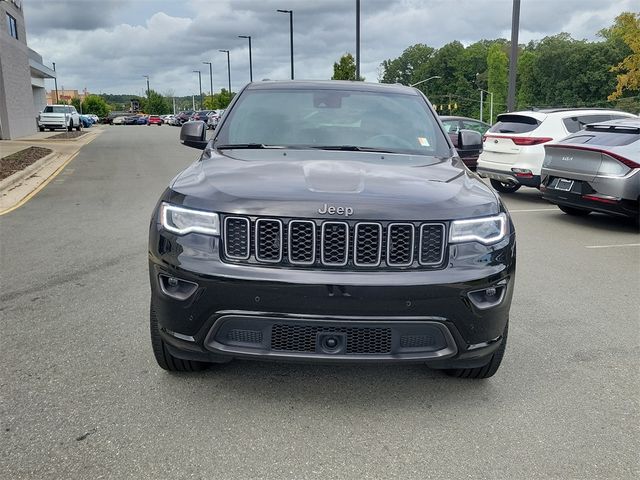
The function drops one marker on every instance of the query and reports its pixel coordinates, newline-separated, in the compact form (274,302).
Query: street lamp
(210,75)
(250,65)
(290,12)
(199,83)
(55,82)
(490,105)
(425,80)
(147,77)
(228,68)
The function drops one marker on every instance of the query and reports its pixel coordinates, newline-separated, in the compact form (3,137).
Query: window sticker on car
(423,141)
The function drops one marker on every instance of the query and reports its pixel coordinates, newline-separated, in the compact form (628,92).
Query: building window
(13,26)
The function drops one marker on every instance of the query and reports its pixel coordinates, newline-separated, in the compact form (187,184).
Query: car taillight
(530,140)
(601,198)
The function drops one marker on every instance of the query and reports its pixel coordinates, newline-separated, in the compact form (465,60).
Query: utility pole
(449,104)
(290,12)
(55,82)
(210,76)
(250,61)
(174,105)
(357,39)
(513,59)
(199,83)
(481,103)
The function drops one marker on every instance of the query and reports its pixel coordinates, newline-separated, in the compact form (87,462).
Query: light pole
(357,39)
(513,58)
(425,80)
(199,83)
(147,77)
(210,76)
(290,12)
(250,62)
(228,68)
(490,106)
(55,81)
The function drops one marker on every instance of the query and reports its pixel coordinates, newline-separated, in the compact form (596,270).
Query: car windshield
(333,119)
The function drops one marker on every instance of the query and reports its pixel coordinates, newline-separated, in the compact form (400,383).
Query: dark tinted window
(316,117)
(577,123)
(55,109)
(514,124)
(12,26)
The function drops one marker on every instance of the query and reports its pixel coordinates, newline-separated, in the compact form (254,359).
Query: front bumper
(270,313)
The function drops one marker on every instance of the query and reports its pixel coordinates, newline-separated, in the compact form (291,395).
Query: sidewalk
(21,186)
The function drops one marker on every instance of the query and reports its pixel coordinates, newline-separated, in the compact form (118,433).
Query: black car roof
(333,85)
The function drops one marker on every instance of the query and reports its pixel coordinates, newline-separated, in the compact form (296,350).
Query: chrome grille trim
(257,240)
(314,234)
(442,249)
(346,245)
(355,245)
(413,243)
(226,251)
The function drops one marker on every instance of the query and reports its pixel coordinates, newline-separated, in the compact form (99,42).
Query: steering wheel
(394,139)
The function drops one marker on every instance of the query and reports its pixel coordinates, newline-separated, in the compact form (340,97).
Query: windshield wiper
(246,146)
(351,148)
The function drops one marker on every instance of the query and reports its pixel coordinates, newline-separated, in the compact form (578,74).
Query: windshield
(334,119)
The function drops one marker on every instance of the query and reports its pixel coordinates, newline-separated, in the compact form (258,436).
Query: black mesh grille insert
(431,244)
(400,244)
(302,244)
(368,243)
(236,232)
(335,245)
(268,240)
(244,336)
(302,338)
(416,341)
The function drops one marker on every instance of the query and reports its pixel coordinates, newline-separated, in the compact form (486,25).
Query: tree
(401,69)
(156,104)
(218,101)
(75,101)
(96,105)
(497,71)
(627,28)
(345,68)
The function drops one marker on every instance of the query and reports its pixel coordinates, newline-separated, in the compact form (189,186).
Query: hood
(308,183)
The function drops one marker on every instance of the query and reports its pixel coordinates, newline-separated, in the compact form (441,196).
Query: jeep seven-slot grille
(334,244)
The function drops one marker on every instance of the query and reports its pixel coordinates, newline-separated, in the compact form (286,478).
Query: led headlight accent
(485,230)
(182,220)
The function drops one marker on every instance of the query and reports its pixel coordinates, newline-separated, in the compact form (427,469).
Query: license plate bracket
(564,185)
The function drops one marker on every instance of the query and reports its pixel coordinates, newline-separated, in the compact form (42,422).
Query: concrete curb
(18,177)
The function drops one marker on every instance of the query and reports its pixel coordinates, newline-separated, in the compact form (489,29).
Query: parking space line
(533,210)
(613,246)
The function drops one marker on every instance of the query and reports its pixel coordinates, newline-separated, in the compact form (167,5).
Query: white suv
(513,148)
(59,116)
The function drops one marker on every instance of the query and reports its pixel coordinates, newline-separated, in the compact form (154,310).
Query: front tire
(79,127)
(504,187)
(164,358)
(576,212)
(487,370)
(70,126)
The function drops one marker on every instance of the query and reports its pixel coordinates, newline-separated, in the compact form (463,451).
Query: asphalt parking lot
(82,397)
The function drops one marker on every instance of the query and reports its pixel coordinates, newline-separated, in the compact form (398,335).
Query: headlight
(182,220)
(485,230)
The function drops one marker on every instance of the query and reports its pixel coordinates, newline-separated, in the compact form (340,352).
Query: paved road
(81,396)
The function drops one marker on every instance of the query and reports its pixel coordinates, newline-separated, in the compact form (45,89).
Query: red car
(155,120)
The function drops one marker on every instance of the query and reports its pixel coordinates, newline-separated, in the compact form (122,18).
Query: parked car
(513,149)
(118,120)
(200,115)
(131,120)
(313,230)
(59,116)
(166,119)
(112,116)
(596,169)
(453,126)
(94,118)
(155,120)
(184,116)
(212,119)
(86,121)
(142,120)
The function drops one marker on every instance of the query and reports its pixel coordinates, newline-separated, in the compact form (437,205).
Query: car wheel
(487,370)
(576,212)
(70,126)
(41,129)
(79,127)
(164,358)
(505,187)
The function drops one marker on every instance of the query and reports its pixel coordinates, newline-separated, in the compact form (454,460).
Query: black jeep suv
(330,221)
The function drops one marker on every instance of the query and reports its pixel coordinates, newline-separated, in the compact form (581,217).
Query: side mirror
(194,134)
(469,140)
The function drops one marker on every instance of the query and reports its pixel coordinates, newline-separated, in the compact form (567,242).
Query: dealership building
(22,75)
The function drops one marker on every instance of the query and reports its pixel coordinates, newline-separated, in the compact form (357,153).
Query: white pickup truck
(59,116)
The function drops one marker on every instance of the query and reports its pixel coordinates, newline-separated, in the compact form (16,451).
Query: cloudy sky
(108,45)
